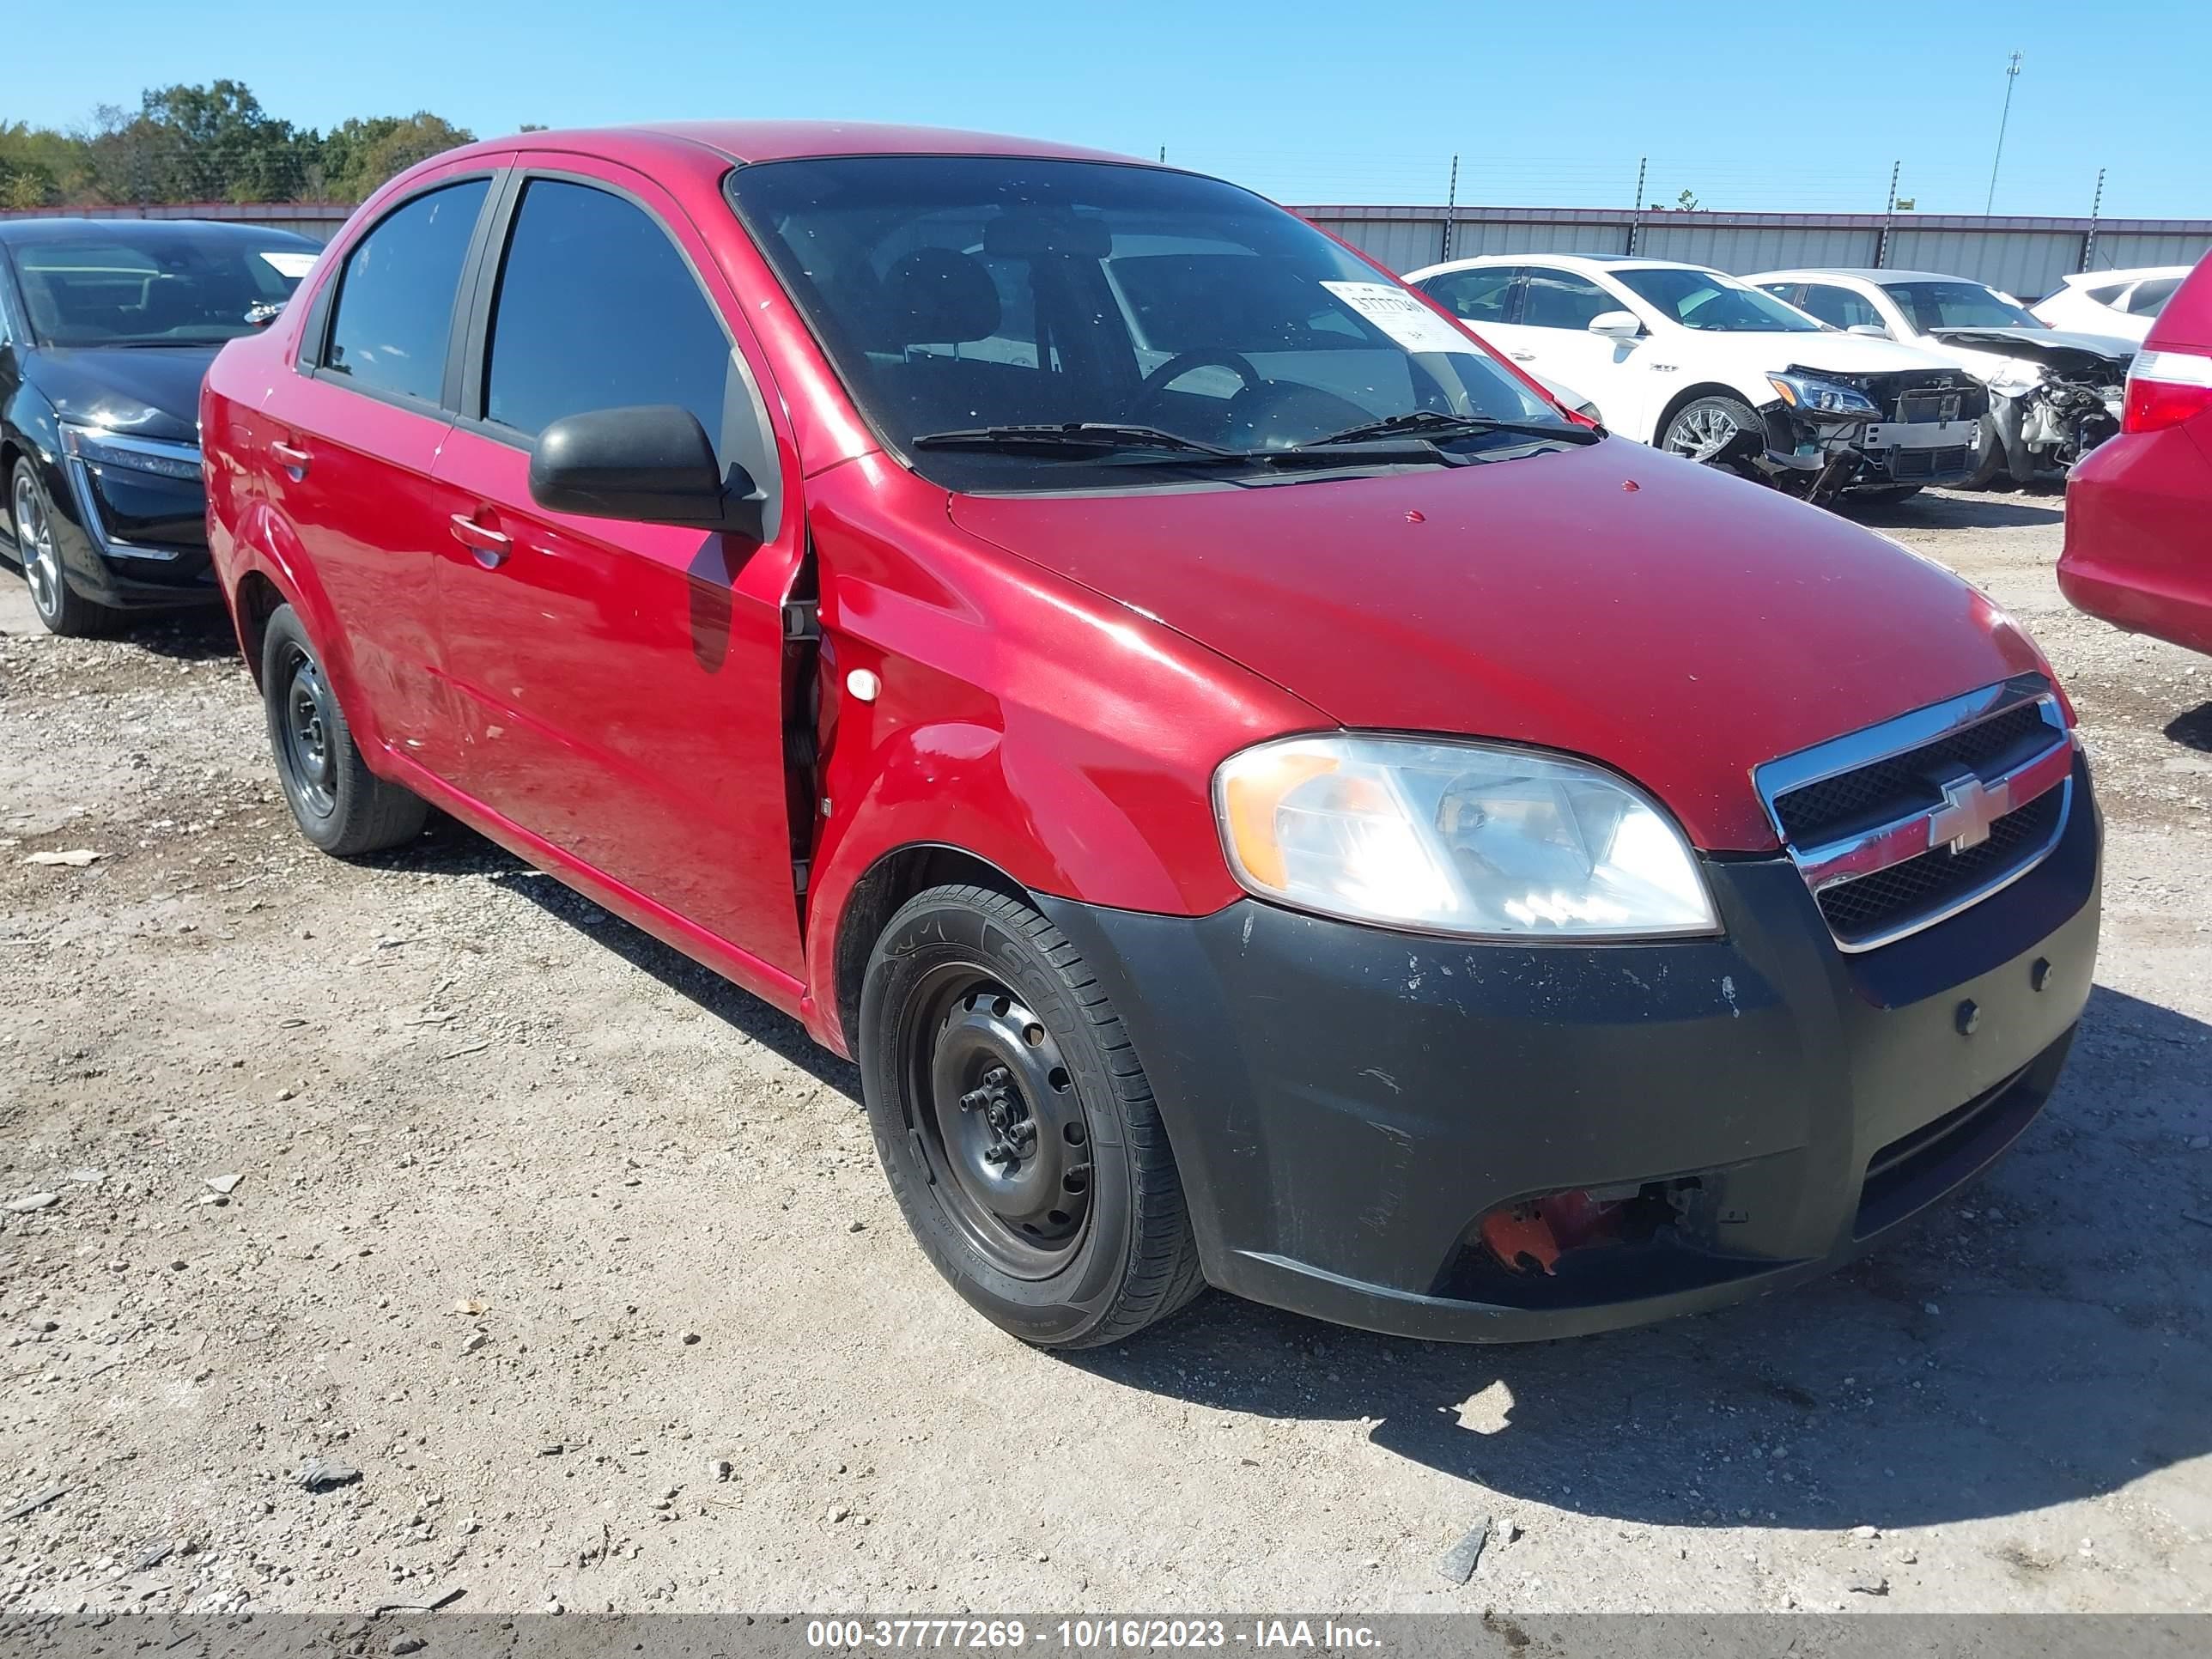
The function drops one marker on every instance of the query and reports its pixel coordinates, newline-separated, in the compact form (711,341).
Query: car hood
(1677,624)
(2066,352)
(151,390)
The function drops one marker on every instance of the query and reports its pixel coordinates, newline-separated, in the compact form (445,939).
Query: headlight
(1470,838)
(1812,395)
(2014,379)
(158,456)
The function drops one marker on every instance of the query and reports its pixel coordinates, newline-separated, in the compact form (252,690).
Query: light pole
(2011,74)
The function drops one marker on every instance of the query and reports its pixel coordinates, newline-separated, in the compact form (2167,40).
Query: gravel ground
(427,1168)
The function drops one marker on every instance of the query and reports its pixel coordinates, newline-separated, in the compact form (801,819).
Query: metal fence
(319,219)
(2024,255)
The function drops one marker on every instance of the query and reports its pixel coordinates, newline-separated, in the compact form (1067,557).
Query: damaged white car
(1696,363)
(2054,396)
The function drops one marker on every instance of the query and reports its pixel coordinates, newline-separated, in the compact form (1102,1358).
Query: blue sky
(1748,104)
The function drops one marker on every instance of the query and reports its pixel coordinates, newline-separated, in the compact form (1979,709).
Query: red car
(2139,507)
(1266,799)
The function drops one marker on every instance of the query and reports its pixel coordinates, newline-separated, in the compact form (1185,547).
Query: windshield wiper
(1084,440)
(1084,437)
(1434,423)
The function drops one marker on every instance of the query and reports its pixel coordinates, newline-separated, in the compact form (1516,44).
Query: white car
(2123,302)
(2054,396)
(1703,365)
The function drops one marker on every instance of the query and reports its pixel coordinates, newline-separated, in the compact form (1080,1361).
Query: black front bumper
(148,551)
(1347,1104)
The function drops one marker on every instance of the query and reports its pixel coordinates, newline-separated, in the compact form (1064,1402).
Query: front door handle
(294,459)
(490,547)
(1522,357)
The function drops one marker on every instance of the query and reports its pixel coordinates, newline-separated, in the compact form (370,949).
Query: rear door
(351,440)
(622,682)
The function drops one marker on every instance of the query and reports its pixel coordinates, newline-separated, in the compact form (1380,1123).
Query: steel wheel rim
(1701,434)
(307,733)
(993,1109)
(34,545)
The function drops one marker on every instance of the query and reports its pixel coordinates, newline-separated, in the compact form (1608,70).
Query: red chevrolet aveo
(1266,799)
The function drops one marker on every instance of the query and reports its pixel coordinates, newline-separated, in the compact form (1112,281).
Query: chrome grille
(1901,825)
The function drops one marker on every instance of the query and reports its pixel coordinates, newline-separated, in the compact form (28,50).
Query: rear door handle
(294,457)
(490,547)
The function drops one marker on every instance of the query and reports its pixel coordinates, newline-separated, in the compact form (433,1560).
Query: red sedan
(2139,508)
(1265,797)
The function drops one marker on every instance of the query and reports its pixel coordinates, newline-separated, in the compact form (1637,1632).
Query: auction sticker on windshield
(288,263)
(1402,316)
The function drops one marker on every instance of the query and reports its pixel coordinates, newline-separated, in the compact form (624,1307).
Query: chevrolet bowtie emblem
(1969,807)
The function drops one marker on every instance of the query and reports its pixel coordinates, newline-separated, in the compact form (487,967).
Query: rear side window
(394,313)
(2149,298)
(1478,295)
(597,309)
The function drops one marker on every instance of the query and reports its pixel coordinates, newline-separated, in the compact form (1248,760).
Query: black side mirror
(649,465)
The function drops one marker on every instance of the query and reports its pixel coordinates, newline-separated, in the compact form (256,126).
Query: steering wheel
(1183,361)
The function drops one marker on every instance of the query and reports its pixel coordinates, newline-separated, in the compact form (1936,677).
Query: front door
(622,682)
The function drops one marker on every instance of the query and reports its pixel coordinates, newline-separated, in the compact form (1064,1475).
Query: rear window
(2149,298)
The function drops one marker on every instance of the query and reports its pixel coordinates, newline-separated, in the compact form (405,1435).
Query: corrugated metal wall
(320,220)
(2118,253)
(2027,256)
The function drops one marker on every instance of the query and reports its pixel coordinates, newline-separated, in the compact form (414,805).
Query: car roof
(1582,262)
(148,233)
(782,141)
(1880,275)
(2133,274)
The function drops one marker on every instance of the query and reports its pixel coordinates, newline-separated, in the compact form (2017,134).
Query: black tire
(1885,495)
(339,804)
(1079,1234)
(60,608)
(1690,431)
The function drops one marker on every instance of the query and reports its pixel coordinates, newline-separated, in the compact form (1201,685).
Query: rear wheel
(339,804)
(1016,1124)
(1715,431)
(61,609)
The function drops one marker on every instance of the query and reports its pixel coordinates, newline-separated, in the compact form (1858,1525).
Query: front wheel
(1016,1124)
(61,609)
(339,804)
(1715,431)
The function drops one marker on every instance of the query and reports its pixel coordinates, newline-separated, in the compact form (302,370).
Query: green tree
(359,154)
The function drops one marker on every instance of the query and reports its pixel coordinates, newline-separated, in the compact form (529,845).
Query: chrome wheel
(34,544)
(1702,432)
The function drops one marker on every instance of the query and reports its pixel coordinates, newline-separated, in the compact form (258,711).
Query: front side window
(597,309)
(1559,299)
(1932,306)
(2149,298)
(1840,308)
(1708,300)
(1479,295)
(966,294)
(109,287)
(394,314)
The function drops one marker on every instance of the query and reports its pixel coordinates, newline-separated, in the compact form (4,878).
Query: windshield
(958,295)
(1932,306)
(1709,301)
(109,288)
